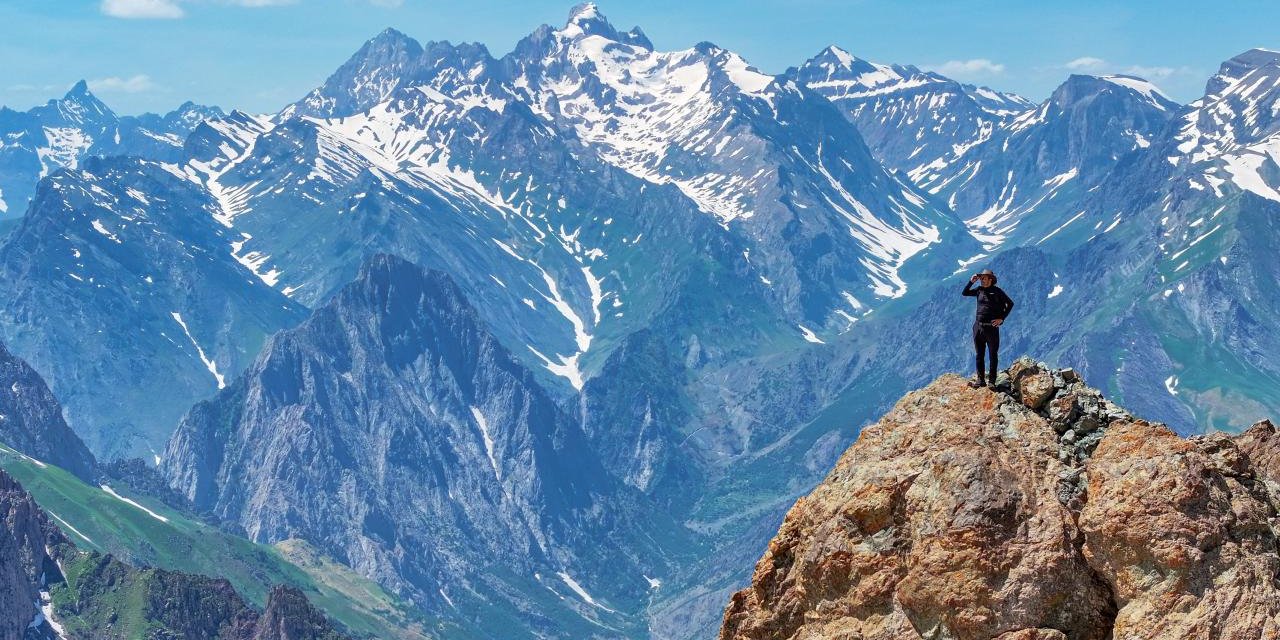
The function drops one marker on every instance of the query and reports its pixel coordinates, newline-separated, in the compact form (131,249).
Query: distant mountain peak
(79,89)
(1081,87)
(587,20)
(389,44)
(1256,57)
(840,55)
(1141,85)
(79,105)
(586,12)
(1241,65)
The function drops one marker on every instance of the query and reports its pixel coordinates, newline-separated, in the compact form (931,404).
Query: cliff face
(394,432)
(31,420)
(25,565)
(1038,511)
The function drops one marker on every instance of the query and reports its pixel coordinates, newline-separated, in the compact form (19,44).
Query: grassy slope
(94,519)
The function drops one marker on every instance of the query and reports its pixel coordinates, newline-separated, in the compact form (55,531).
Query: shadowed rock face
(25,565)
(31,420)
(1038,511)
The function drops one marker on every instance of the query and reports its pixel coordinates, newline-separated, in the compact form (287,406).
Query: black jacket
(993,302)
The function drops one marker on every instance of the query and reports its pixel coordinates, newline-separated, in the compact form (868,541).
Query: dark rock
(31,420)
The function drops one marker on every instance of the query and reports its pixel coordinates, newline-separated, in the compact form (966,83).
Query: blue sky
(258,55)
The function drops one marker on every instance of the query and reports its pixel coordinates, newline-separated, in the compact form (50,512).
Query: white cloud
(26,87)
(1086,62)
(136,84)
(965,69)
(1091,64)
(173,8)
(260,3)
(142,8)
(1156,73)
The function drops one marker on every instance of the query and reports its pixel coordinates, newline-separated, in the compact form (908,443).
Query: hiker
(994,306)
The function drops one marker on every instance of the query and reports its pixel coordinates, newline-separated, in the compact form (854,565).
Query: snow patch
(209,364)
(810,336)
(488,440)
(69,527)
(582,593)
(100,228)
(125,500)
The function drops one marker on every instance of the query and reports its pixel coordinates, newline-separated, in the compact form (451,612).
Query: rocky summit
(1035,511)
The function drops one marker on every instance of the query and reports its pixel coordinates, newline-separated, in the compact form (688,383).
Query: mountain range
(551,340)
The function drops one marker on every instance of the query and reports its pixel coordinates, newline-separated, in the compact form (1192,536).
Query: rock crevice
(1038,510)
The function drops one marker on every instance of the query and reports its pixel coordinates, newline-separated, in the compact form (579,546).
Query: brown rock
(1032,382)
(1181,532)
(942,521)
(1034,634)
(1036,389)
(964,514)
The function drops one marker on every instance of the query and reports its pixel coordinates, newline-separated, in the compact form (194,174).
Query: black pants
(986,337)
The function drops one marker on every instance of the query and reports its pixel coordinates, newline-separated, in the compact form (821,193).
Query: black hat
(988,272)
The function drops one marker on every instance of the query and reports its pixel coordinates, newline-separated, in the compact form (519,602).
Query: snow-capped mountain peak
(1231,132)
(1082,89)
(1145,87)
(586,20)
(78,107)
(840,75)
(1239,66)
(367,78)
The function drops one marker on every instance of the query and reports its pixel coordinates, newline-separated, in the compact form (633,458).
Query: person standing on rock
(994,306)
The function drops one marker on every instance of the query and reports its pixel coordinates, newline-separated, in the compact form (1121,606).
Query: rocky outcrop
(25,566)
(31,420)
(287,616)
(1035,511)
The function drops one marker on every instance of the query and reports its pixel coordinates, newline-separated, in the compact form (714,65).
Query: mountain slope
(828,229)
(127,256)
(52,590)
(910,118)
(138,530)
(1065,147)
(31,420)
(1040,512)
(394,432)
(560,253)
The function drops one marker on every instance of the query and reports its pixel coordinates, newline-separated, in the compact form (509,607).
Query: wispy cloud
(1092,64)
(968,69)
(1157,73)
(260,3)
(170,9)
(135,84)
(1085,63)
(32,88)
(142,9)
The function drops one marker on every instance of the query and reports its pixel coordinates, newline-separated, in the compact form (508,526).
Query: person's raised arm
(968,287)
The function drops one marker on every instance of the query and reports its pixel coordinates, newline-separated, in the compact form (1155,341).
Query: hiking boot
(977,383)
